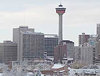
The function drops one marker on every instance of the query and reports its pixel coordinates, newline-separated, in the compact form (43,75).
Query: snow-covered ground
(1,74)
(28,74)
(72,72)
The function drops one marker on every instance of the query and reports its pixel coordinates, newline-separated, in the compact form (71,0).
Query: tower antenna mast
(60,1)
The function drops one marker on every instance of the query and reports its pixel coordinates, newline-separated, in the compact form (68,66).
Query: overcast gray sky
(81,16)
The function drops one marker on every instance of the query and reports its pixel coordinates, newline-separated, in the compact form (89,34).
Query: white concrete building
(84,54)
(87,54)
(77,53)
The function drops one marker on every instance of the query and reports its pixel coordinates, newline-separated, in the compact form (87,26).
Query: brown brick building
(59,52)
(64,50)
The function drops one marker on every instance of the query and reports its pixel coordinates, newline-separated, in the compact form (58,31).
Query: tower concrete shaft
(60,10)
(60,28)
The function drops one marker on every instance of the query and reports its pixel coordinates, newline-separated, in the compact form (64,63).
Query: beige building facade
(8,51)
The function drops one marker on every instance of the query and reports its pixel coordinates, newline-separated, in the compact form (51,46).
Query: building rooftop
(67,41)
(23,26)
(51,36)
(30,32)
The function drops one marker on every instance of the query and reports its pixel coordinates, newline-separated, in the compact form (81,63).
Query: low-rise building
(64,50)
(8,51)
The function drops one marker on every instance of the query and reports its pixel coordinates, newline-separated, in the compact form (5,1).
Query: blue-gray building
(51,40)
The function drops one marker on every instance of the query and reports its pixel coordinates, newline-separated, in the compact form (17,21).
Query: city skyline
(41,14)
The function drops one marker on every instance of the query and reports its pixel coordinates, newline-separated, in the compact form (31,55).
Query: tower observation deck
(60,11)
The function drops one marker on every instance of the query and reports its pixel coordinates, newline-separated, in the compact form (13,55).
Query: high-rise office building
(33,45)
(92,40)
(17,37)
(8,51)
(98,49)
(97,54)
(51,41)
(29,42)
(83,38)
(98,31)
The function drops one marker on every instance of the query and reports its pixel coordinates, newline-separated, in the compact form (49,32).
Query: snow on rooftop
(51,58)
(62,70)
(42,75)
(1,74)
(29,73)
(51,36)
(30,32)
(70,58)
(57,66)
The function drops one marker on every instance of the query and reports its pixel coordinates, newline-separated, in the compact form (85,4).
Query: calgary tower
(60,10)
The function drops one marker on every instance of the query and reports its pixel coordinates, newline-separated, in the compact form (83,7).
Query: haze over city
(81,16)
